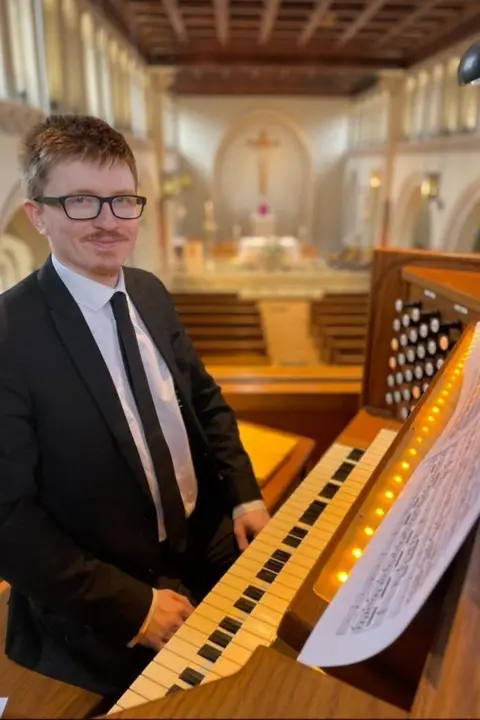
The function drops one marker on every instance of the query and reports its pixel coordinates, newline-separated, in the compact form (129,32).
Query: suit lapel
(87,358)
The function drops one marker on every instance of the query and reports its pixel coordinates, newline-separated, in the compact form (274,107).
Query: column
(161,80)
(7,83)
(393,84)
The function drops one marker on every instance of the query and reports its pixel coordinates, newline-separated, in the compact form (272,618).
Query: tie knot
(119,303)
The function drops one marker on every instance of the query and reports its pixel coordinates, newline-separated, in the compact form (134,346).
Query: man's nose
(106,219)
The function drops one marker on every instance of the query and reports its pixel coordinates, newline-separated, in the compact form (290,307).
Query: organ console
(273,596)
(276,592)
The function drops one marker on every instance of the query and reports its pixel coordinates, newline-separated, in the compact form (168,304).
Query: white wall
(320,125)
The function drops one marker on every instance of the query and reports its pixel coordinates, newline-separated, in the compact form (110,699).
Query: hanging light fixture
(469,68)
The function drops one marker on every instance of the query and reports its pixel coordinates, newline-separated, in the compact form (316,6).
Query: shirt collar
(85,291)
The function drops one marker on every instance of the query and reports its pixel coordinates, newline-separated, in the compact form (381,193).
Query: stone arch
(13,202)
(232,208)
(36,247)
(461,219)
(411,226)
(16,260)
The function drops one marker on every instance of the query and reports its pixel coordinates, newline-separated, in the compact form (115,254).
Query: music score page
(413,546)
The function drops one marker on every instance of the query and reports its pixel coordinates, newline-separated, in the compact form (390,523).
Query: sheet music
(412,547)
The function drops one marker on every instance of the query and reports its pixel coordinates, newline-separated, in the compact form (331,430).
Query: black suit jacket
(78,532)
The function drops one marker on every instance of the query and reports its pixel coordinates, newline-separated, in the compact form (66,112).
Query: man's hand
(249,525)
(169,613)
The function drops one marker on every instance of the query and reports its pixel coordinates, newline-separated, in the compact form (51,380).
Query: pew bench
(338,325)
(224,328)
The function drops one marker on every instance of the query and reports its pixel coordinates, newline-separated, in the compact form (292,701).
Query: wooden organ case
(234,656)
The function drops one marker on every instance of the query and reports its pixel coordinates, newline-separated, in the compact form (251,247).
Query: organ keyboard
(244,610)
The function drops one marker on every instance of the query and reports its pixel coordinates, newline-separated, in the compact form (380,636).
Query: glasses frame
(62,201)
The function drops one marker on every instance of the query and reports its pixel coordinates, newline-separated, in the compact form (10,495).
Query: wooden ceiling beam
(316,17)
(269,17)
(173,13)
(204,55)
(462,25)
(411,19)
(222,20)
(369,12)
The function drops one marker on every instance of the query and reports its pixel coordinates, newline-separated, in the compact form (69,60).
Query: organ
(275,593)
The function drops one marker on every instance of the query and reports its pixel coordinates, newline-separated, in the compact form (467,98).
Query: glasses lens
(82,207)
(127,207)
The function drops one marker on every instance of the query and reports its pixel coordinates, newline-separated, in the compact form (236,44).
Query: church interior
(312,171)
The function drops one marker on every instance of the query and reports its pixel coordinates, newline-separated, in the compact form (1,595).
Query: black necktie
(172,503)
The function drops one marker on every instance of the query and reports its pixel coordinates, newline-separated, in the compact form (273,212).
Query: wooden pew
(338,325)
(224,328)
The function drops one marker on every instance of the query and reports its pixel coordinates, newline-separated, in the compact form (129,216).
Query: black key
(274,565)
(173,689)
(329,490)
(281,555)
(209,652)
(289,540)
(191,677)
(298,532)
(266,575)
(231,625)
(220,638)
(356,454)
(313,512)
(253,592)
(343,471)
(309,519)
(245,605)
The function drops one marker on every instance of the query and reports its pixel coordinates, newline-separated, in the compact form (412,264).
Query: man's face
(95,248)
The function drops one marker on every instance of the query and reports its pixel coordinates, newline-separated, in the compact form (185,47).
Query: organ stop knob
(400,305)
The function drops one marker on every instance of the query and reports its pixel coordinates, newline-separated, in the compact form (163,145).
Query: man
(125,492)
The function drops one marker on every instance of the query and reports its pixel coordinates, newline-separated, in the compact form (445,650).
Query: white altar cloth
(260,251)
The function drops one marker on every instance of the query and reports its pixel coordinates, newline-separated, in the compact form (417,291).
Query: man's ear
(35,213)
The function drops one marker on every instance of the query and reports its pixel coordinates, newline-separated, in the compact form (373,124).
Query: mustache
(105,237)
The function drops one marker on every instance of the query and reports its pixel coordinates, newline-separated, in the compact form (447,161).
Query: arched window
(435,99)
(74,85)
(125,83)
(469,98)
(113,61)
(452,97)
(419,103)
(90,64)
(53,50)
(21,28)
(106,92)
(409,92)
(4,52)
(139,120)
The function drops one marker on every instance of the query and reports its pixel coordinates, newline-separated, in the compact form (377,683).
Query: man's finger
(241,536)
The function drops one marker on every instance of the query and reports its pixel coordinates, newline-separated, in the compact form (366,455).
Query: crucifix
(263,143)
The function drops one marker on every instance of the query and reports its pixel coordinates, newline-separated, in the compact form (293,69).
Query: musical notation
(417,540)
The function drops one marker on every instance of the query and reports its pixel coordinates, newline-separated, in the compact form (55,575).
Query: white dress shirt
(93,299)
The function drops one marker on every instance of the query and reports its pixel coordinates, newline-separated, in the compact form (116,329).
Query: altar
(268,253)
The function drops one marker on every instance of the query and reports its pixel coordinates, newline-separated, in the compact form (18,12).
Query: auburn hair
(61,138)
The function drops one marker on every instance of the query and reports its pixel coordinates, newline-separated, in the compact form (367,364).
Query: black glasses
(89,207)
